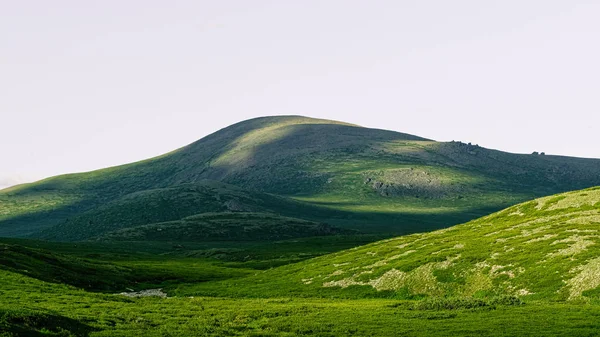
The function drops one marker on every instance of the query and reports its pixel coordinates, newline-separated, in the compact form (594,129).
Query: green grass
(175,204)
(376,181)
(245,230)
(118,265)
(23,322)
(529,270)
(115,275)
(30,307)
(236,251)
(239,226)
(546,249)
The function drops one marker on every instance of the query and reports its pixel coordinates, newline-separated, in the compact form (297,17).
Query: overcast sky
(90,84)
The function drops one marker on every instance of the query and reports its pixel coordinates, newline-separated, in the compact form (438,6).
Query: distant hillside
(225,227)
(372,180)
(546,249)
(175,204)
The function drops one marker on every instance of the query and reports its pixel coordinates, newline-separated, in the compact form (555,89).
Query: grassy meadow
(31,307)
(529,270)
(292,226)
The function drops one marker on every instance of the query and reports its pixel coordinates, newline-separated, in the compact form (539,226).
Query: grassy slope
(30,308)
(498,254)
(374,180)
(240,226)
(173,204)
(116,266)
(97,275)
(546,249)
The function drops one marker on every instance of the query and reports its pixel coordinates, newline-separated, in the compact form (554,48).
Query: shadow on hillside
(254,147)
(194,163)
(279,162)
(27,224)
(406,222)
(36,323)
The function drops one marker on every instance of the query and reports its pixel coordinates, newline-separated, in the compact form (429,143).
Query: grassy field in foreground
(34,308)
(530,270)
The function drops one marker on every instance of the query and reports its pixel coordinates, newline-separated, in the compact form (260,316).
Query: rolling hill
(175,204)
(545,249)
(104,276)
(224,227)
(348,176)
(529,270)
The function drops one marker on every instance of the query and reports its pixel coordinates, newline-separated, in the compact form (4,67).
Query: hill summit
(371,180)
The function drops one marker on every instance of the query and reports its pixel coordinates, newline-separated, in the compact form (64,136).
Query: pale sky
(91,84)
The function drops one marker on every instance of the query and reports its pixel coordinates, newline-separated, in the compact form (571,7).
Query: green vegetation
(285,226)
(544,249)
(97,275)
(375,181)
(176,205)
(225,226)
(529,270)
(59,310)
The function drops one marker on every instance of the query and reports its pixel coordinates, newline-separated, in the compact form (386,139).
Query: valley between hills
(288,225)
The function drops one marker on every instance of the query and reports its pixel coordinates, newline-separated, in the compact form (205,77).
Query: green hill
(58,268)
(546,249)
(529,270)
(106,276)
(174,204)
(224,227)
(367,179)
